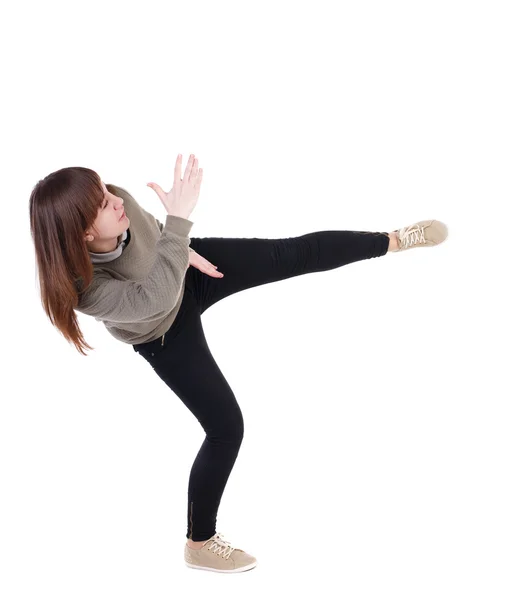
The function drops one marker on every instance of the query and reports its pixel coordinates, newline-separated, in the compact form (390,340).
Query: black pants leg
(185,363)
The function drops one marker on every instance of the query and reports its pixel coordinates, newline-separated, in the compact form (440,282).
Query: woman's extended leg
(250,262)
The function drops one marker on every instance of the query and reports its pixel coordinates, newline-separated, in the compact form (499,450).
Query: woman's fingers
(159,191)
(193,173)
(177,170)
(198,181)
(188,169)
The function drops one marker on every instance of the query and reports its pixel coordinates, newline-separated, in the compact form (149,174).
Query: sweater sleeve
(154,296)
(161,227)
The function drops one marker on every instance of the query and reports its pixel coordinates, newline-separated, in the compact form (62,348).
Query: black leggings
(185,363)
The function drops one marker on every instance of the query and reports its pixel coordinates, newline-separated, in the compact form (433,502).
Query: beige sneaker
(422,233)
(218,555)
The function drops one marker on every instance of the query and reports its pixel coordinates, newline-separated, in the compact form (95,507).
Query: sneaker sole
(238,570)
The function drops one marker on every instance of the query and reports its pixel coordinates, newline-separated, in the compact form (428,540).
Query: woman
(100,253)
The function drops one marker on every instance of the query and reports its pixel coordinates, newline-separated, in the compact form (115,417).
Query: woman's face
(109,223)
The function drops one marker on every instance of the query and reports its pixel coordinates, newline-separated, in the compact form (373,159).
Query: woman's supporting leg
(250,262)
(187,366)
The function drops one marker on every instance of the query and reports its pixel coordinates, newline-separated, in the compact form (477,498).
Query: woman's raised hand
(182,198)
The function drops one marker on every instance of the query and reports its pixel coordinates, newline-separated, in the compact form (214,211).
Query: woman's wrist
(176,214)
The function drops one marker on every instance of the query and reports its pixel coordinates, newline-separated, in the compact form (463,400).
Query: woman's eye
(107,202)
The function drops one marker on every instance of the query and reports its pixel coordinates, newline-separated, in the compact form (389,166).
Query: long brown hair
(63,206)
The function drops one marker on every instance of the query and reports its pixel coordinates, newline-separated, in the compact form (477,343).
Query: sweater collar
(102,257)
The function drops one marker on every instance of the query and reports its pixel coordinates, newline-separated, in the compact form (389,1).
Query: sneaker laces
(409,236)
(220,546)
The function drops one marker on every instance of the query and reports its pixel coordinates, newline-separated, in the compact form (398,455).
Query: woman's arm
(161,226)
(136,301)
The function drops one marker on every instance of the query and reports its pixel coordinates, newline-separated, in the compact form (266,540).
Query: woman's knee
(230,430)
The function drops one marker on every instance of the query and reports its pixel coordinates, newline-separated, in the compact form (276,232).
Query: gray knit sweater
(138,292)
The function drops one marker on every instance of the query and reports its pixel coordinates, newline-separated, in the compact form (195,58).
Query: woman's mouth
(122,216)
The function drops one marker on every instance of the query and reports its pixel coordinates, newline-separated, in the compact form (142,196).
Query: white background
(374,458)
